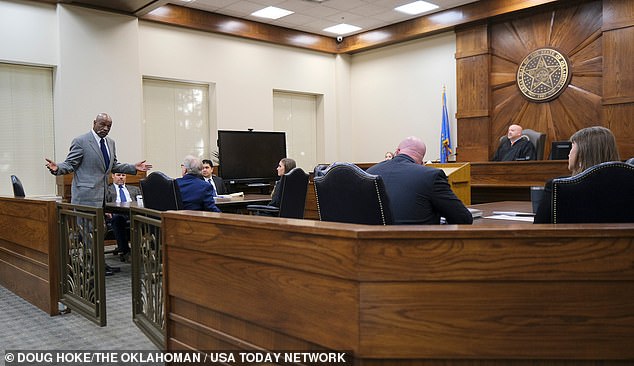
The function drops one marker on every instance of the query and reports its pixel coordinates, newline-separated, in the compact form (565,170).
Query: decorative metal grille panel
(82,284)
(148,298)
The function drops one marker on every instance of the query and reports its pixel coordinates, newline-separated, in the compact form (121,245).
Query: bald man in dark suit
(418,194)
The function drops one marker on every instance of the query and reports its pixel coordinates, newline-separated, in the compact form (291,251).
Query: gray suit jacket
(112,192)
(91,175)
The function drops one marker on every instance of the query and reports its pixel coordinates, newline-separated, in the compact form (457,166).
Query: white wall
(370,100)
(245,73)
(396,92)
(28,33)
(98,72)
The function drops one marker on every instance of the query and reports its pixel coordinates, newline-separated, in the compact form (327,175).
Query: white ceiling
(315,15)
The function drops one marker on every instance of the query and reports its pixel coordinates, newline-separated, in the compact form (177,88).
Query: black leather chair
(601,194)
(538,140)
(18,189)
(294,185)
(346,193)
(161,192)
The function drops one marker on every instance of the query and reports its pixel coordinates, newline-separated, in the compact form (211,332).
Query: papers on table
(512,215)
(231,195)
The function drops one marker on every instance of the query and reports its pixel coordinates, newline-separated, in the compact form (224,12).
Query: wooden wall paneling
(273,301)
(457,295)
(618,67)
(199,327)
(516,173)
(29,250)
(575,30)
(490,319)
(574,25)
(620,118)
(617,14)
(473,139)
(472,83)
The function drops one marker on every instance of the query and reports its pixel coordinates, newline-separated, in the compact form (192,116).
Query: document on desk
(231,195)
(513,216)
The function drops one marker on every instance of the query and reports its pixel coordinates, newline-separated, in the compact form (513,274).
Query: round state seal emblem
(543,75)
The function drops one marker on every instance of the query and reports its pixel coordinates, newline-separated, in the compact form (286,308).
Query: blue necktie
(121,193)
(104,151)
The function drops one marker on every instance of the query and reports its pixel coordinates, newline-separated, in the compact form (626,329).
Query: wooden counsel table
(495,293)
(225,204)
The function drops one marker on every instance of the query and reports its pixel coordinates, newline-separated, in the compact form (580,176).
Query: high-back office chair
(161,192)
(601,194)
(346,193)
(538,140)
(18,189)
(293,185)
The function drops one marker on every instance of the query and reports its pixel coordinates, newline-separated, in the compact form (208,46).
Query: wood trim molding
(222,24)
(473,114)
(618,100)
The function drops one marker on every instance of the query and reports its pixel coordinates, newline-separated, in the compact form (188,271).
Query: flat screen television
(559,150)
(250,156)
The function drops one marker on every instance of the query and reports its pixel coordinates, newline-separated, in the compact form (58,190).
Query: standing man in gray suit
(92,157)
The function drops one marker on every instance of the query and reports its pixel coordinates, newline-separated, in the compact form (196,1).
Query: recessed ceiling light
(342,28)
(271,12)
(416,7)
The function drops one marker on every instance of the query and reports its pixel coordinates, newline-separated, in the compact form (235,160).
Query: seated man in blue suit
(418,194)
(195,192)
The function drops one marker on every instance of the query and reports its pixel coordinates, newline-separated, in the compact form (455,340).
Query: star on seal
(543,75)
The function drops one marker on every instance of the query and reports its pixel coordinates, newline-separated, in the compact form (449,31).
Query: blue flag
(445,132)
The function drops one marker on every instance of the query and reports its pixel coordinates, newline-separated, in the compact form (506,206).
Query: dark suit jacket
(196,194)
(220,185)
(419,194)
(113,192)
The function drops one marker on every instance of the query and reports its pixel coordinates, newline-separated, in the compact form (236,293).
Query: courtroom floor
(25,327)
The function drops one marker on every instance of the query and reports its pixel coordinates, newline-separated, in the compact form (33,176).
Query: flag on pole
(445,132)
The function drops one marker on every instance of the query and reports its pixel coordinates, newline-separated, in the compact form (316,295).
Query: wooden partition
(29,253)
(451,295)
(493,181)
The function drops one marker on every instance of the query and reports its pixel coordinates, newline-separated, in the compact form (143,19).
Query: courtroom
(341,182)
